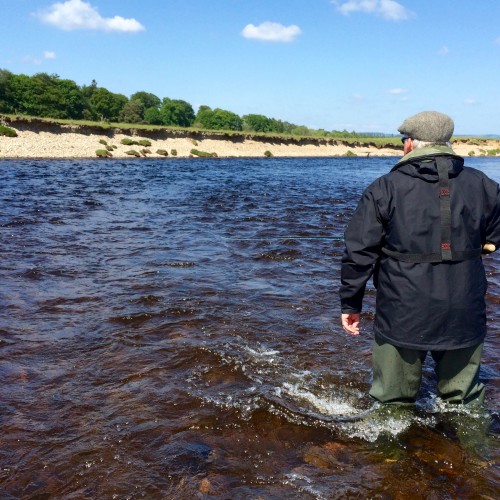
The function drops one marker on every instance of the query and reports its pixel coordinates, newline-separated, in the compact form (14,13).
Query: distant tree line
(50,96)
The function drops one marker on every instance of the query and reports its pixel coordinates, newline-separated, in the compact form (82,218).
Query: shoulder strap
(445,208)
(446,252)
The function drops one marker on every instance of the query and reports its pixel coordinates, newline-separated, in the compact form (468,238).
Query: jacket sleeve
(363,243)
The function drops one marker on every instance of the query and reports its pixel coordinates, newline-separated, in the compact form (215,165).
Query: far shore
(37,139)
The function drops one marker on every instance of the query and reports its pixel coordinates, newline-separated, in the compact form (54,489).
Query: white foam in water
(381,423)
(303,484)
(325,405)
(303,389)
(301,375)
(435,404)
(261,352)
(370,429)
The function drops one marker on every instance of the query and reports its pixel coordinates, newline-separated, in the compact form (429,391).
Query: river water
(169,329)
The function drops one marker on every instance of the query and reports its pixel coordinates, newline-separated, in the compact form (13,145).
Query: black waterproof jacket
(430,303)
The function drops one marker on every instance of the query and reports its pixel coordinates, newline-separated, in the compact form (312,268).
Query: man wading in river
(420,230)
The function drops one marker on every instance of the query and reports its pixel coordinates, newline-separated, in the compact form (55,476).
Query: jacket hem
(429,347)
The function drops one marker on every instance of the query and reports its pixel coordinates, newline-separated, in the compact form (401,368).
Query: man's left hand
(350,323)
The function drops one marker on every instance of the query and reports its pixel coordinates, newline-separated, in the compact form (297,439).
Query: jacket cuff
(346,309)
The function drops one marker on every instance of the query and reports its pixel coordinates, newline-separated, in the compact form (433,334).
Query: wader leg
(457,374)
(397,373)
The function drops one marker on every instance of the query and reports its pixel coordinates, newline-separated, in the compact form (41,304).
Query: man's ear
(408,146)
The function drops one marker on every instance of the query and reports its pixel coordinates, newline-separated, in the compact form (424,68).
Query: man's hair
(425,144)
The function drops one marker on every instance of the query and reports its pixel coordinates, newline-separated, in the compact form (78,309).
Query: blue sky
(361,65)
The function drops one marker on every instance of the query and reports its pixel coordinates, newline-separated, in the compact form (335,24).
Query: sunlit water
(169,329)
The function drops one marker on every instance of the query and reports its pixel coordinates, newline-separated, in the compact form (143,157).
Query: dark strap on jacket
(445,208)
(446,252)
(432,257)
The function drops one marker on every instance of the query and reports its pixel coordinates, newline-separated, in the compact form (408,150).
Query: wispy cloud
(398,91)
(357,98)
(470,102)
(271,32)
(388,9)
(443,51)
(497,41)
(79,15)
(48,54)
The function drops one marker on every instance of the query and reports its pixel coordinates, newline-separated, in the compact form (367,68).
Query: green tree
(257,123)
(87,92)
(148,100)
(70,102)
(50,96)
(24,95)
(203,116)
(45,91)
(218,119)
(6,97)
(301,130)
(132,112)
(322,132)
(176,112)
(106,106)
(286,127)
(223,119)
(153,116)
(47,95)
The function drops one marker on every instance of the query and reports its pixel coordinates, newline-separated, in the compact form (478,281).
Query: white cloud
(32,60)
(398,91)
(271,32)
(444,51)
(497,41)
(470,102)
(388,9)
(48,54)
(79,15)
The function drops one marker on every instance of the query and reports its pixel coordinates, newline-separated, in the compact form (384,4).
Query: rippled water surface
(169,329)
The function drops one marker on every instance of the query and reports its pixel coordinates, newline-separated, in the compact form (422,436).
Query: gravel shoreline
(38,143)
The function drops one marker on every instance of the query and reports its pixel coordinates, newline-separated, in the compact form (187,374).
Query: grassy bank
(100,127)
(35,137)
(136,129)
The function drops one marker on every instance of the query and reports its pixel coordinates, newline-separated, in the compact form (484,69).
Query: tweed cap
(429,126)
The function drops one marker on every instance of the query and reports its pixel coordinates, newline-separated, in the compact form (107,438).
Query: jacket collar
(428,151)
(421,162)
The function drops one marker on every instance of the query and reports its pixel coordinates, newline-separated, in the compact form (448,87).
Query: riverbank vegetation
(62,100)
(53,100)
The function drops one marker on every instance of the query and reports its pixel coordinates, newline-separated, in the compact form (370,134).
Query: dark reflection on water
(169,329)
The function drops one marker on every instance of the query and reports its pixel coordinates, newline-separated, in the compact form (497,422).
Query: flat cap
(429,126)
